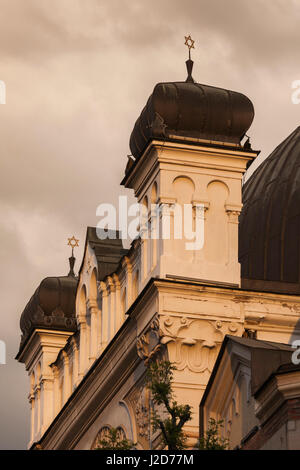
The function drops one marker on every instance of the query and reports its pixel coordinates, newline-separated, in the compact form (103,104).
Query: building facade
(86,340)
(254,389)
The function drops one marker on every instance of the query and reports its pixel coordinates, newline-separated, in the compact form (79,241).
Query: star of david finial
(72,242)
(189,42)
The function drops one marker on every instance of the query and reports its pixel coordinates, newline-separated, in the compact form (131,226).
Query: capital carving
(116,280)
(92,304)
(102,288)
(65,358)
(127,264)
(110,284)
(192,343)
(148,344)
(233,212)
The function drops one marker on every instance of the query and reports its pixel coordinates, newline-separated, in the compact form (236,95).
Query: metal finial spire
(72,242)
(189,42)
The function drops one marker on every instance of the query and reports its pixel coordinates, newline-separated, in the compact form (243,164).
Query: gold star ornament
(189,42)
(72,242)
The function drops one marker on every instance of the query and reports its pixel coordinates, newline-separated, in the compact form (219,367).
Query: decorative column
(167,246)
(88,337)
(126,264)
(56,397)
(93,308)
(47,401)
(32,409)
(38,409)
(67,381)
(200,209)
(74,346)
(111,289)
(118,317)
(144,234)
(82,344)
(154,230)
(104,335)
(99,322)
(233,212)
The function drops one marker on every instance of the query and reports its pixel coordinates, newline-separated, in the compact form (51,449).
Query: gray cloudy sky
(78,73)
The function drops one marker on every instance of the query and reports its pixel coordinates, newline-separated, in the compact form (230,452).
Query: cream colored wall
(117,413)
(40,352)
(229,399)
(99,315)
(193,322)
(200,176)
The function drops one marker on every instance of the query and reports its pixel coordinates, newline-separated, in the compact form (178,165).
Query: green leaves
(211,440)
(159,382)
(112,441)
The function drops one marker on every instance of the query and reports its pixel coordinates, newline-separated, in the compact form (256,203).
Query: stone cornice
(277,390)
(161,149)
(42,338)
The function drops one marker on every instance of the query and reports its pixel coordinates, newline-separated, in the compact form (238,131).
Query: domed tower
(188,160)
(269,231)
(47,322)
(187,150)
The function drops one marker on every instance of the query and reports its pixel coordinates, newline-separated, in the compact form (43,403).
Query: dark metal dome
(52,306)
(192,111)
(269,228)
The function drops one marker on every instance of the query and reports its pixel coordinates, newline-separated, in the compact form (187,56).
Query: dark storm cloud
(254,30)
(77,75)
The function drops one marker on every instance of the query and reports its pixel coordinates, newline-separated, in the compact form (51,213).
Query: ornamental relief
(138,402)
(194,343)
(191,343)
(142,412)
(148,344)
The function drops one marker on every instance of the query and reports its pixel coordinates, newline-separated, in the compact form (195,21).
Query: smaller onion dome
(193,112)
(52,306)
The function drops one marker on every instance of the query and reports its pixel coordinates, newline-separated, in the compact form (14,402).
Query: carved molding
(88,264)
(191,343)
(194,343)
(233,212)
(142,412)
(138,401)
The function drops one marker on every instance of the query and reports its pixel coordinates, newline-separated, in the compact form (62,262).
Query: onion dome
(269,228)
(52,306)
(192,112)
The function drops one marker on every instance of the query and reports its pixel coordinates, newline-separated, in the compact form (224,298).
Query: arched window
(104,434)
